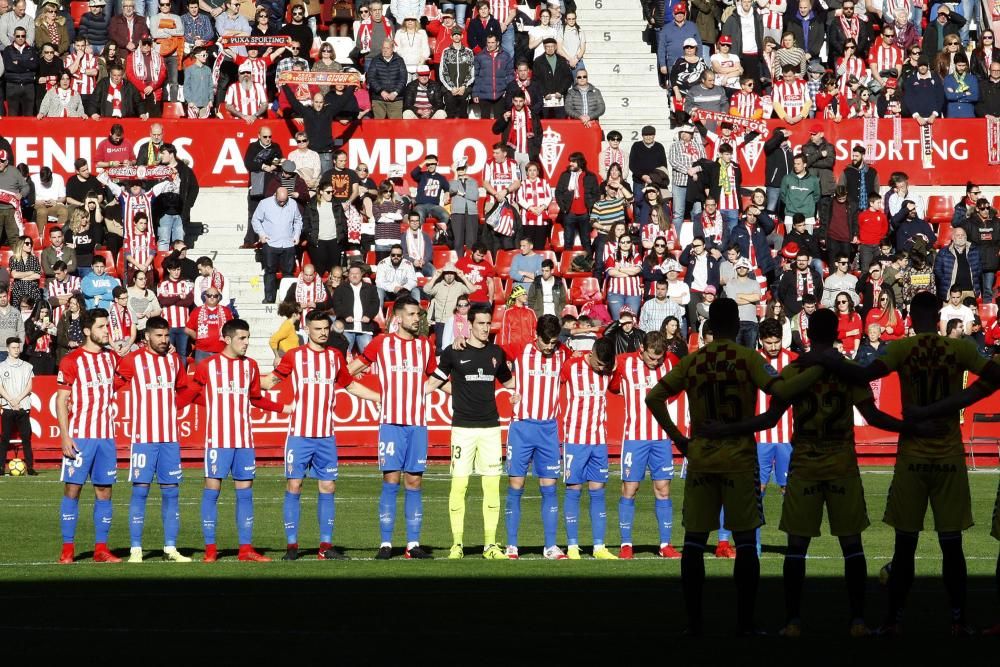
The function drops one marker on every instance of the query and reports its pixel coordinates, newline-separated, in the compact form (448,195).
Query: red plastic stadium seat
(988,314)
(31,231)
(569,309)
(566,265)
(48,230)
(109,261)
(77,10)
(550,254)
(443,255)
(940,209)
(504,259)
(996,202)
(582,286)
(943,234)
(498,317)
(500,290)
(556,239)
(5,255)
(173,110)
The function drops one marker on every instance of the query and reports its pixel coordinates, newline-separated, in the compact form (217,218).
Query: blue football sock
(244,516)
(137,513)
(325,511)
(571,510)
(664,508)
(290,514)
(512,513)
(387,510)
(170,514)
(626,513)
(413,505)
(102,521)
(68,509)
(598,515)
(724,535)
(550,514)
(209,514)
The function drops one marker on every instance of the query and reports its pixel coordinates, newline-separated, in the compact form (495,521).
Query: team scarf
(13,200)
(862,190)
(740,124)
(574,183)
(139,65)
(851,27)
(120,323)
(354,222)
(870,136)
(803,321)
(501,219)
(993,139)
(217,280)
(160,172)
(415,244)
(115,97)
(897,131)
(258,41)
(203,321)
(365,33)
(319,78)
(306,292)
(804,287)
(926,147)
(712,227)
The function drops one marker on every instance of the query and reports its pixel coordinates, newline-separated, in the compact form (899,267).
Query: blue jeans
(773,201)
(361,339)
(616,301)
(179,339)
(434,210)
(459,10)
(575,224)
(142,7)
(507,41)
(679,196)
(747,337)
(731,218)
(171,229)
(415,293)
(988,280)
(325,162)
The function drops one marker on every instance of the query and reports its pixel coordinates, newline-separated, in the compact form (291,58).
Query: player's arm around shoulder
(794,380)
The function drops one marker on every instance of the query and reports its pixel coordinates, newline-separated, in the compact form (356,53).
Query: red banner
(357,423)
(215,148)
(960,150)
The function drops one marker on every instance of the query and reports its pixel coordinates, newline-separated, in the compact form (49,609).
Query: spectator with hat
(412,45)
(94,25)
(423,98)
(554,76)
(727,66)
(804,240)
(684,156)
(432,190)
(517,326)
(457,72)
(464,197)
(671,39)
(246,99)
(923,94)
(627,337)
(199,90)
(685,73)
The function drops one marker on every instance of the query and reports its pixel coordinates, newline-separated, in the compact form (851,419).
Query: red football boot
(247,553)
(724,550)
(211,554)
(625,553)
(667,551)
(103,555)
(66,557)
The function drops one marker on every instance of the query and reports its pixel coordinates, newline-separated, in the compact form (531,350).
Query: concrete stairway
(621,66)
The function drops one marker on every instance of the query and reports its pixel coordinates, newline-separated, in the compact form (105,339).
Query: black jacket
(435,94)
(591,191)
(836,38)
(929,46)
(788,295)
(98,102)
(257,156)
(989,99)
(317,123)
(985,235)
(778,160)
(182,201)
(817,28)
(710,178)
(503,127)
(549,80)
(343,303)
(21,66)
(851,177)
(310,224)
(534,90)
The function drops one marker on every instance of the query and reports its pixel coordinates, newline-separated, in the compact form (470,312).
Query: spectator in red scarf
(204,325)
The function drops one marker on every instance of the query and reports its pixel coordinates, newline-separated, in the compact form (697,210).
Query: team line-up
(727,393)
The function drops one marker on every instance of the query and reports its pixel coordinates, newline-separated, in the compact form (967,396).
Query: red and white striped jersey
(227,388)
(401,366)
(782,431)
(629,285)
(176,315)
(80,81)
(885,56)
(534,192)
(651,232)
(746,105)
(501,174)
(521,131)
(500,9)
(140,248)
(853,66)
(729,196)
(153,381)
(55,288)
(536,380)
(89,377)
(315,376)
(258,67)
(587,403)
(713,141)
(792,96)
(633,379)
(248,101)
(774,15)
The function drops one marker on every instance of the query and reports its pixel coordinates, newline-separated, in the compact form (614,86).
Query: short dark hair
(404,301)
(88,317)
(168,147)
(205,261)
(770,328)
(604,349)
(823,326)
(158,323)
(98,259)
(953,323)
(316,315)
(548,327)
(725,148)
(548,264)
(724,315)
(171,263)
(60,265)
(479,246)
(955,289)
(79,163)
(119,291)
(480,309)
(232,326)
(13,339)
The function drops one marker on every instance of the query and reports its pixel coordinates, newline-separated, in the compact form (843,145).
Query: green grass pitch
(641,597)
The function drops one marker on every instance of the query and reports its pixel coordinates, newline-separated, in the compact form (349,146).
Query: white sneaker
(512,551)
(554,553)
(135,555)
(172,554)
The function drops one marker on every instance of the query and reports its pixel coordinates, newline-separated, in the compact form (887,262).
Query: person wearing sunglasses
(983,230)
(584,101)
(940,28)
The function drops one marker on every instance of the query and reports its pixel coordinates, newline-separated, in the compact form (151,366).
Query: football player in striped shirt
(153,375)
(533,436)
(402,361)
(226,384)
(721,381)
(644,443)
(311,449)
(774,448)
(85,409)
(585,453)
